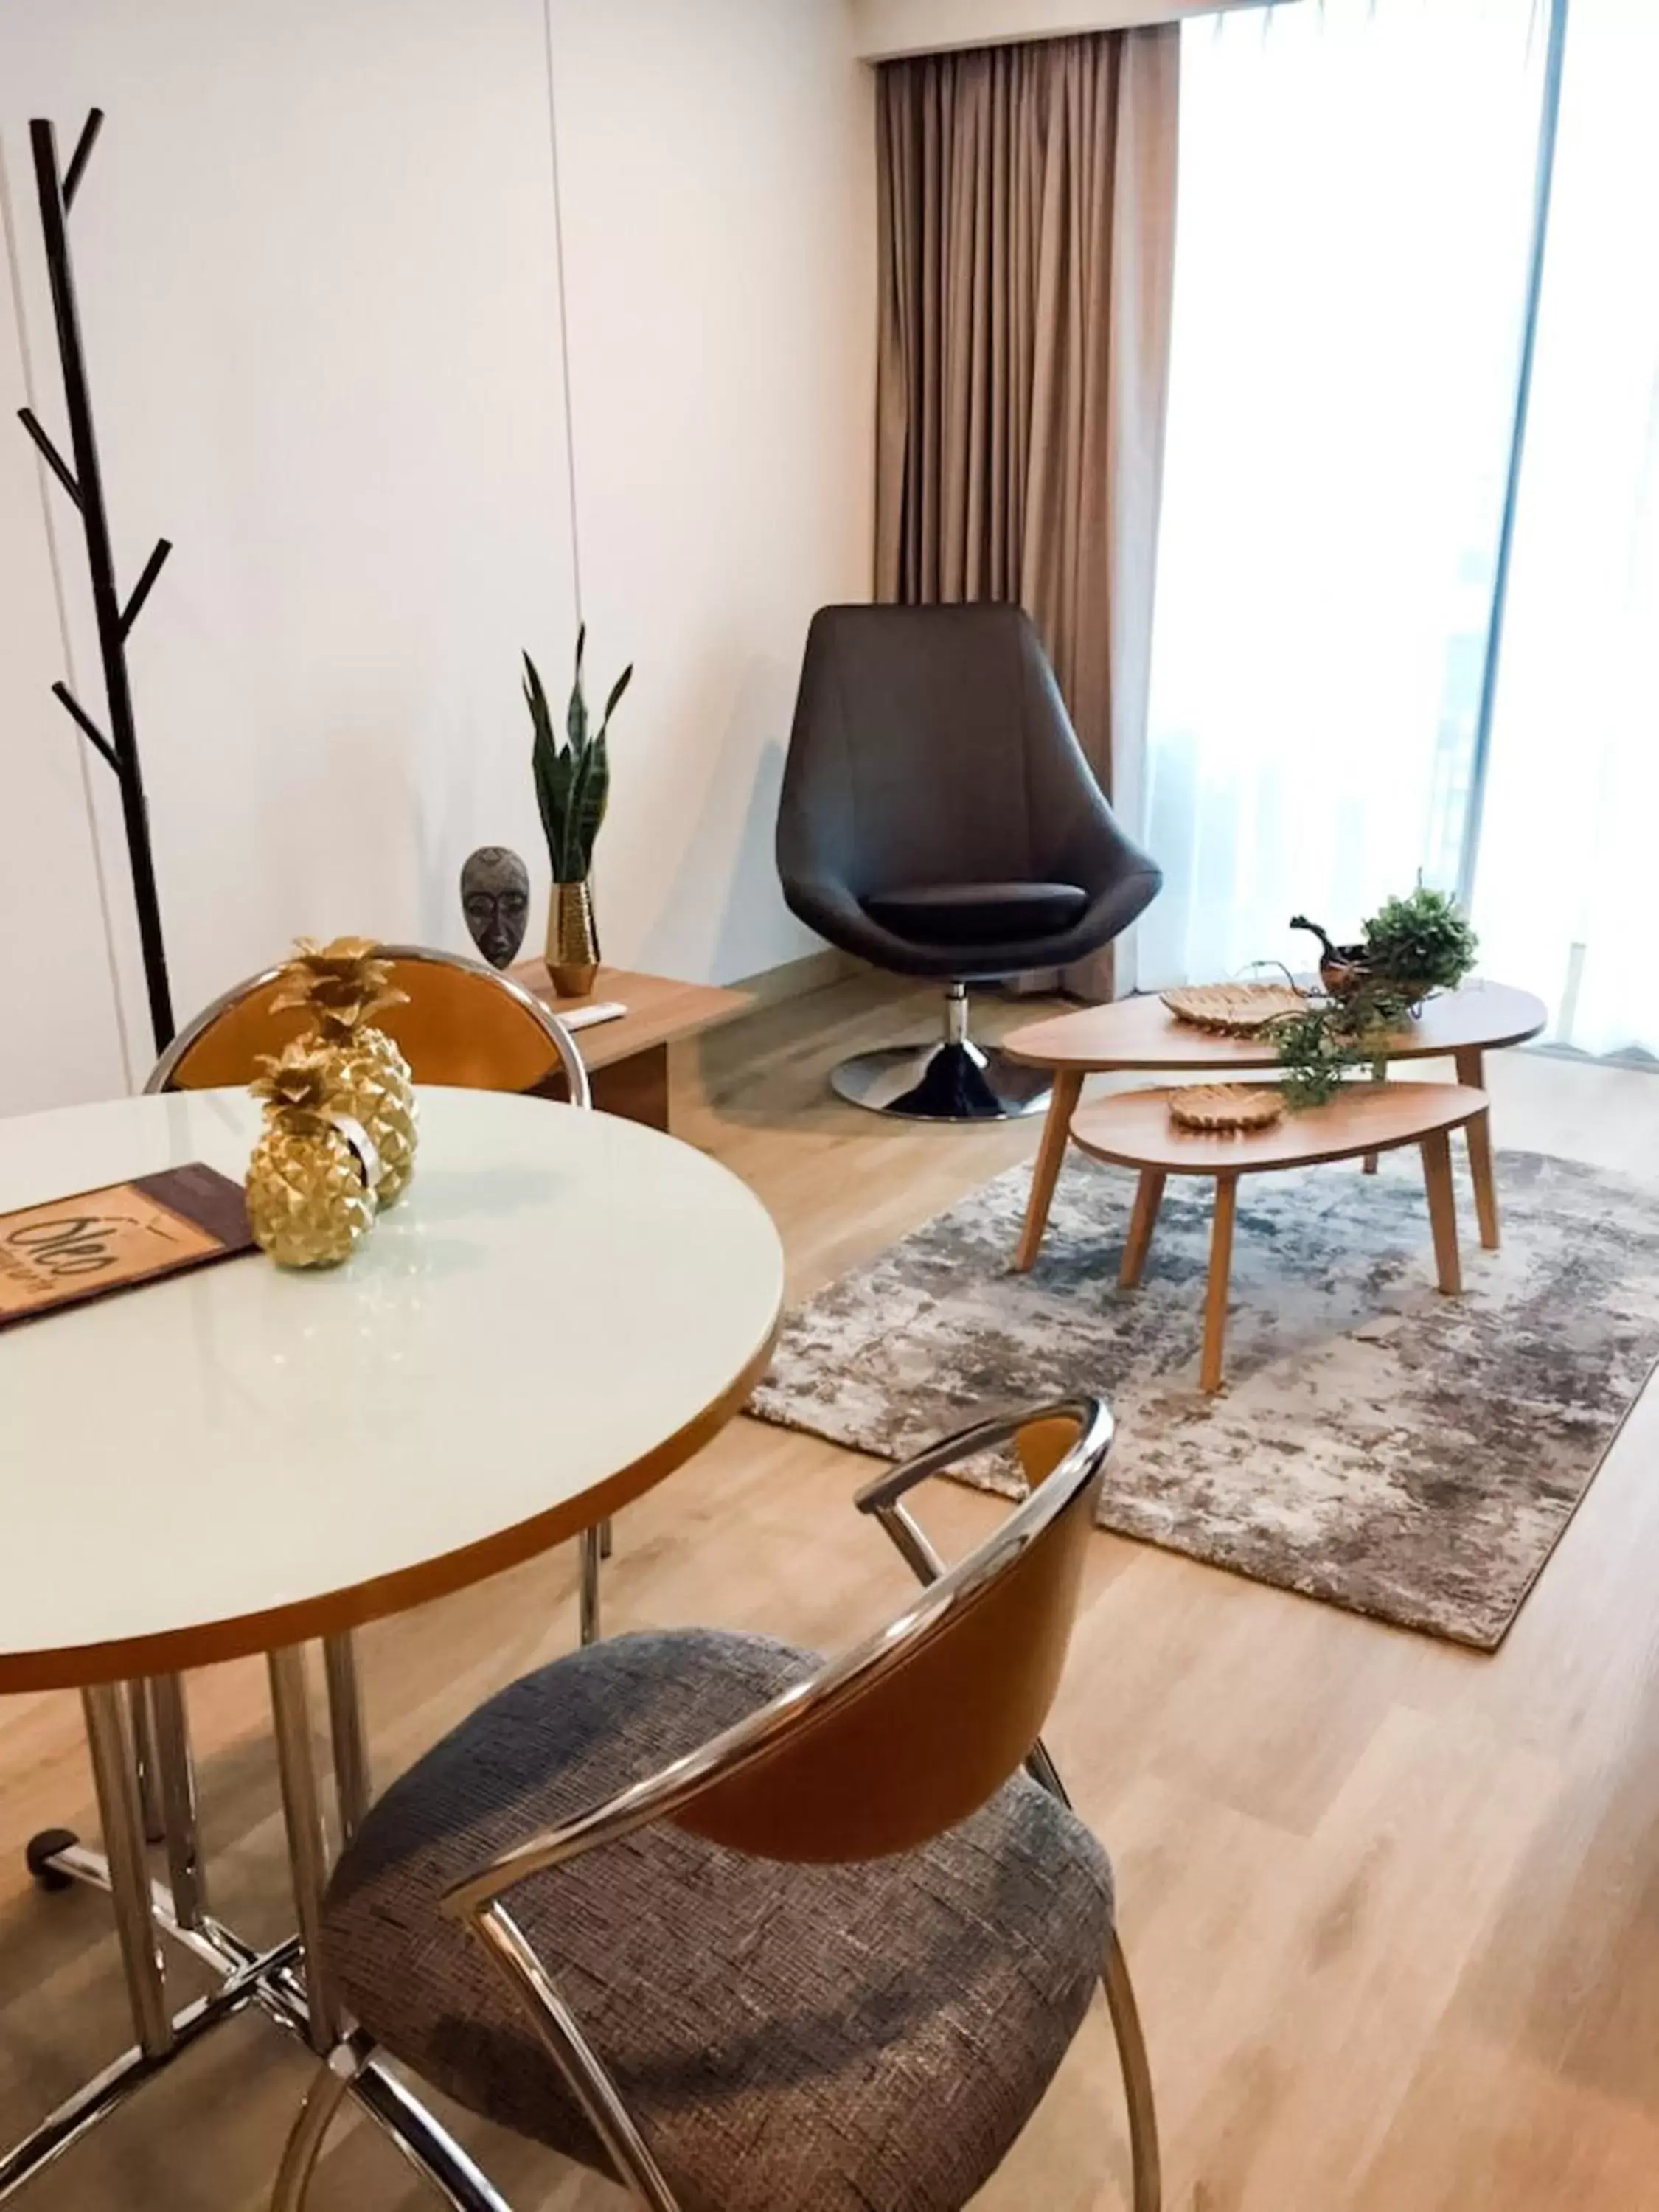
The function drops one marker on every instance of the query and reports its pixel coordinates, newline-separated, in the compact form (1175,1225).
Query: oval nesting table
(559,1311)
(1134,1130)
(1142,1033)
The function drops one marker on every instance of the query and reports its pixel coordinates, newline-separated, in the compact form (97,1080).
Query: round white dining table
(562,1308)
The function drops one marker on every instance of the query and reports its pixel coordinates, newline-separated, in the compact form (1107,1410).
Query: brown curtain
(1027,200)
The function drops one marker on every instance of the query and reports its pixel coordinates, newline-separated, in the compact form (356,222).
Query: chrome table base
(124,1722)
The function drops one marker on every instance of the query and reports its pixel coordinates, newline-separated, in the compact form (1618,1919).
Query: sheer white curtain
(1565,896)
(1356,191)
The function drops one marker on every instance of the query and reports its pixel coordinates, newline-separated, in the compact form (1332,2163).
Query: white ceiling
(885,28)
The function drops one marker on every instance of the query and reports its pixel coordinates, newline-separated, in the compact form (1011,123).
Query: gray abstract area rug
(1406,1456)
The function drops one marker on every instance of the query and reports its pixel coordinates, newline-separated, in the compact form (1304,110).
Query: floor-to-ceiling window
(1564,864)
(1356,204)
(1408,592)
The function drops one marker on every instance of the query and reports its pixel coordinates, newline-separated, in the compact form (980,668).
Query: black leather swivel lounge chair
(938,818)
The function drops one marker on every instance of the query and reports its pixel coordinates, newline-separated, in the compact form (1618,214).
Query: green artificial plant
(1316,1054)
(1419,943)
(573,779)
(1321,1046)
(1412,946)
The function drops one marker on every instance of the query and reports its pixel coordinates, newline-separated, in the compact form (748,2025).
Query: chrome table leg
(302,1814)
(352,1789)
(592,1552)
(115,1777)
(143,1748)
(175,1771)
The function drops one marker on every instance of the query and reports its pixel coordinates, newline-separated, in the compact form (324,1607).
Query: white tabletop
(561,1309)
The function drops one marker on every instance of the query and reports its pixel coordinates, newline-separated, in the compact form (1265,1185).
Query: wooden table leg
(1221,1265)
(1369,1164)
(1470,1070)
(1442,1210)
(1068,1089)
(1149,1196)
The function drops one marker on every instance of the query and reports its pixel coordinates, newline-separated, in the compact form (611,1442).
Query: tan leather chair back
(918,1742)
(463,1024)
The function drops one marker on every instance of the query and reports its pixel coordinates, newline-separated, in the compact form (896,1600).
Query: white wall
(316,250)
(885,28)
(719,194)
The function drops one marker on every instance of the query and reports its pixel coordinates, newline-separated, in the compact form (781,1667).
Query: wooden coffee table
(1142,1033)
(1135,1129)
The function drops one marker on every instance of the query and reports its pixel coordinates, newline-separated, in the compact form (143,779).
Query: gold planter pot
(573,948)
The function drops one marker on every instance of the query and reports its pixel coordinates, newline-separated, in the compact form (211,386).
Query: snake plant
(573,778)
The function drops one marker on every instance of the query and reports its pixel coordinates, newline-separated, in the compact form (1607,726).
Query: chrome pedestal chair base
(955,1080)
(942,1082)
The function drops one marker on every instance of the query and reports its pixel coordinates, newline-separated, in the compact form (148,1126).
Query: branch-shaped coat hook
(55,461)
(82,153)
(147,575)
(81,479)
(78,713)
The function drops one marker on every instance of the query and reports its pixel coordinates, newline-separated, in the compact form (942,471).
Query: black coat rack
(85,485)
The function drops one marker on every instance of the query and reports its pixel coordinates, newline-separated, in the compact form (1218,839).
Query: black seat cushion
(977,914)
(860,2039)
(932,749)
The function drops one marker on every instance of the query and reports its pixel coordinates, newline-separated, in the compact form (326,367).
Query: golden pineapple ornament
(311,1182)
(343,985)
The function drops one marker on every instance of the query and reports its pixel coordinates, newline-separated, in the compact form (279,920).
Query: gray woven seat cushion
(860,2039)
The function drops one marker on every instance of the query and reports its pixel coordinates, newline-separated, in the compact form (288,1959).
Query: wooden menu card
(70,1249)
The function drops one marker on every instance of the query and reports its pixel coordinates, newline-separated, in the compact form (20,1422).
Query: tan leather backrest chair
(878,1757)
(939,1715)
(462,1024)
(913,1729)
(880,1751)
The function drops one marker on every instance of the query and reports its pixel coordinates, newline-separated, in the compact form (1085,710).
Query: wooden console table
(628,1058)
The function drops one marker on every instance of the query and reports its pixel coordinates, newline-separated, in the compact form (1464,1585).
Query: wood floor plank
(1392,1907)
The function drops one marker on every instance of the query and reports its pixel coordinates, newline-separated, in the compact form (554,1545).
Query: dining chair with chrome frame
(461,1024)
(785,1934)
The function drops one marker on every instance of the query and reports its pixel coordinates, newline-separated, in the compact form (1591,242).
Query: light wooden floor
(1393,1909)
